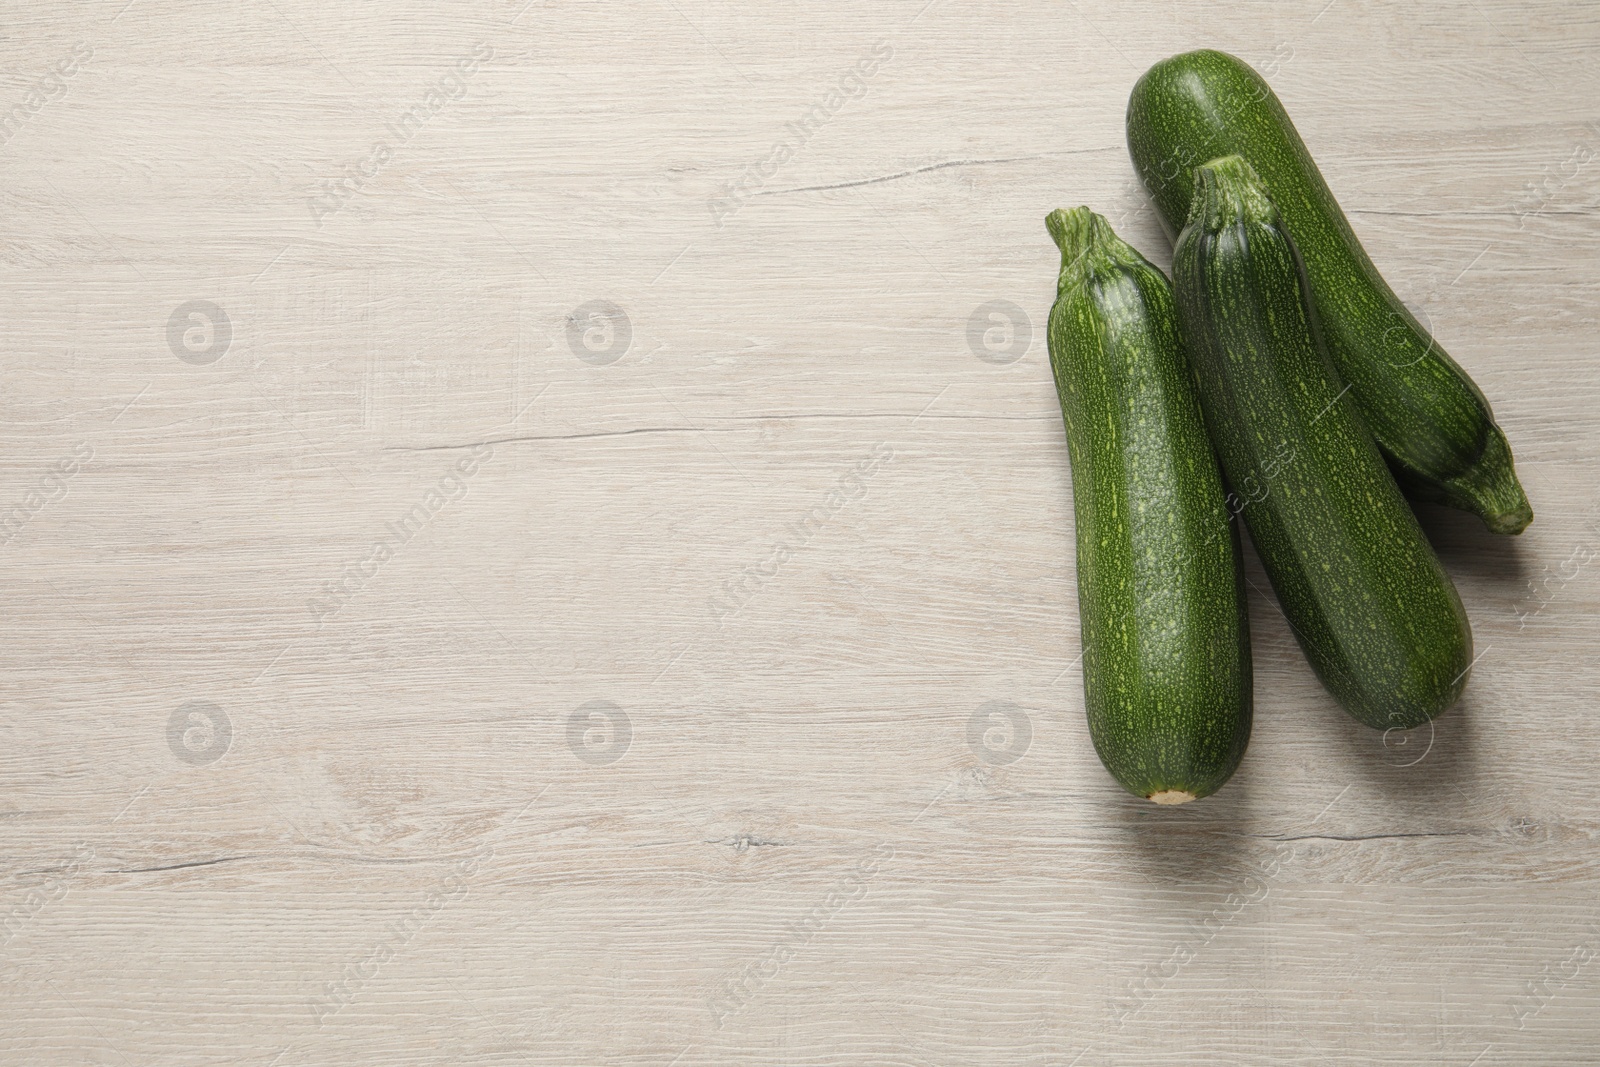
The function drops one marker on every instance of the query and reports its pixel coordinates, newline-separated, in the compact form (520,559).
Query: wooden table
(542,534)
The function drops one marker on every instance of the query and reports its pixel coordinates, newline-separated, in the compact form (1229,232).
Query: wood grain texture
(838,804)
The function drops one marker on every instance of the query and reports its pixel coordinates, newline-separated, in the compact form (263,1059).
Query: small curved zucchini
(1368,600)
(1430,419)
(1166,663)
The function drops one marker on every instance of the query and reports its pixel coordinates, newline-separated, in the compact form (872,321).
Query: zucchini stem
(1088,246)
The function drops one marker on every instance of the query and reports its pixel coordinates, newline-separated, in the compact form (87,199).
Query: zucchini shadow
(1469,551)
(1189,843)
(1427,773)
(1423,772)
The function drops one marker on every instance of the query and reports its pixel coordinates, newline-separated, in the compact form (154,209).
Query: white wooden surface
(374,836)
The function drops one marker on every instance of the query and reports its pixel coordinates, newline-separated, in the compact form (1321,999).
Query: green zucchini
(1430,419)
(1372,607)
(1166,640)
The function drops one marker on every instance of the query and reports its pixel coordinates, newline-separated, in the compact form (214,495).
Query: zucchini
(1431,421)
(1166,640)
(1373,609)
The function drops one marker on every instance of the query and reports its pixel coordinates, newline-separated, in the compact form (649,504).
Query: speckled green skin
(1373,610)
(1430,419)
(1166,664)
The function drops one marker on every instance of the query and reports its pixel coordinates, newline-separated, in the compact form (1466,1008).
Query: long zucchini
(1430,419)
(1372,608)
(1166,664)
